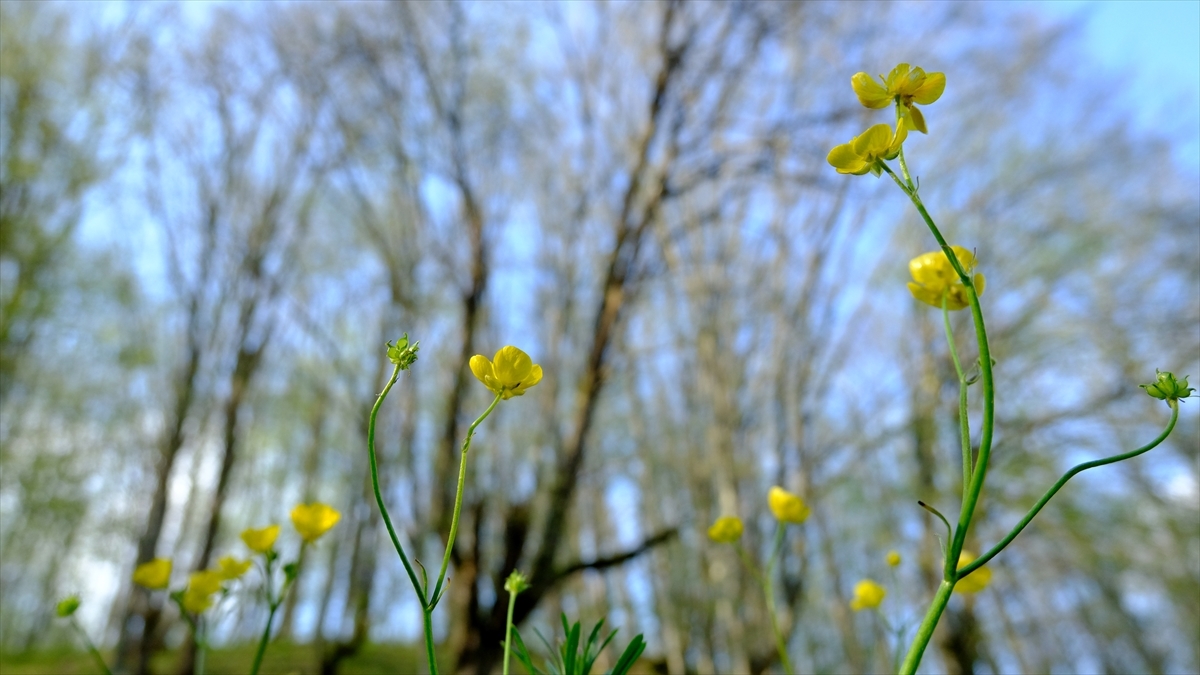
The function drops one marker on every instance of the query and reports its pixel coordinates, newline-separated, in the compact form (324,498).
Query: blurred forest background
(213,217)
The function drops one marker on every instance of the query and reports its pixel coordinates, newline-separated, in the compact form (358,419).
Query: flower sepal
(401,354)
(1166,388)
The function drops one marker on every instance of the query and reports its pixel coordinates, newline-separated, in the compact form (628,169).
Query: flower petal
(870,93)
(925,295)
(511,366)
(895,79)
(843,159)
(872,143)
(535,376)
(482,368)
(931,89)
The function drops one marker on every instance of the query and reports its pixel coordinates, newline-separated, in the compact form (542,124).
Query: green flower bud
(1167,388)
(67,606)
(516,582)
(401,353)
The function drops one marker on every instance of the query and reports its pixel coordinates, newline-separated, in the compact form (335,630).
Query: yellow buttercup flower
(893,558)
(200,589)
(509,374)
(904,85)
(975,581)
(154,575)
(934,276)
(865,152)
(261,540)
(231,568)
(314,520)
(867,594)
(726,530)
(787,507)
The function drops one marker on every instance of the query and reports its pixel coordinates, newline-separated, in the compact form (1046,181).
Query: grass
(282,658)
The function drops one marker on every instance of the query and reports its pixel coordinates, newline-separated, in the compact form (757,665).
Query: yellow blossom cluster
(905,86)
(310,520)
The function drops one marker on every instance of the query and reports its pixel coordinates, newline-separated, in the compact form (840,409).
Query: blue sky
(1157,44)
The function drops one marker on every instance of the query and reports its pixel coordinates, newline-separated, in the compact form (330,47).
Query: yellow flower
(905,85)
(200,589)
(787,507)
(314,520)
(975,581)
(261,541)
(231,568)
(509,374)
(867,595)
(934,275)
(864,152)
(893,558)
(154,575)
(726,530)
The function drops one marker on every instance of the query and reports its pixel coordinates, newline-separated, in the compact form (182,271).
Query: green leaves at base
(571,658)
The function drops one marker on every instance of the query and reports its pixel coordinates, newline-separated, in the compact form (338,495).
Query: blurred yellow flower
(905,85)
(934,275)
(200,589)
(726,530)
(867,594)
(864,152)
(205,581)
(509,374)
(787,507)
(231,568)
(893,558)
(975,581)
(154,575)
(314,520)
(261,540)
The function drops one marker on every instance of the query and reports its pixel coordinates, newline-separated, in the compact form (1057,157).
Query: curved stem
(387,520)
(971,496)
(983,559)
(458,498)
(928,624)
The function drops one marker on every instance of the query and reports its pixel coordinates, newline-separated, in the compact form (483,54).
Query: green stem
(508,626)
(928,624)
(769,593)
(458,499)
(387,520)
(262,642)
(964,425)
(429,653)
(971,496)
(91,647)
(983,559)
(979,475)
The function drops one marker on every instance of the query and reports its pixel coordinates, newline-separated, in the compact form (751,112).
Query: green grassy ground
(281,659)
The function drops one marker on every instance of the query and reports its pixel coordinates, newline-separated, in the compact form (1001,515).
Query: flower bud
(67,606)
(893,558)
(516,582)
(867,595)
(401,353)
(1165,387)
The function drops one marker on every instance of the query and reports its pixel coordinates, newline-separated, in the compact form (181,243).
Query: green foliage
(573,658)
